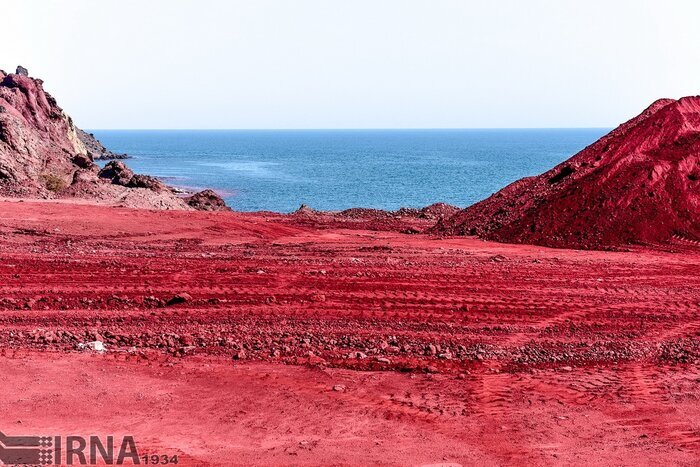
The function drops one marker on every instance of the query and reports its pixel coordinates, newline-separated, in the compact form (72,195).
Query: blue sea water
(278,170)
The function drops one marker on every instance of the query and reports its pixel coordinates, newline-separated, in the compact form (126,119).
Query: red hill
(639,184)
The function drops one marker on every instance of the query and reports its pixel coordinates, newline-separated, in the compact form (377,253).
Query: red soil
(480,353)
(640,184)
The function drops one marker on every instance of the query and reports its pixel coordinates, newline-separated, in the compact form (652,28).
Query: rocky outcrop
(37,139)
(207,200)
(96,150)
(117,173)
(42,155)
(640,184)
(153,184)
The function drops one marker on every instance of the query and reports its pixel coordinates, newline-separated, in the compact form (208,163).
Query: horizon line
(355,129)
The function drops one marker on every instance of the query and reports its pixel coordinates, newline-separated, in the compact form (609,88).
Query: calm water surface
(337,169)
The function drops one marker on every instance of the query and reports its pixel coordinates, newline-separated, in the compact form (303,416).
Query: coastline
(334,171)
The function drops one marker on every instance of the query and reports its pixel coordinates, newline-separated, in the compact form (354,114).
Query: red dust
(239,339)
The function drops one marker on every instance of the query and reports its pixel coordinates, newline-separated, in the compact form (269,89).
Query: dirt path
(213,412)
(480,353)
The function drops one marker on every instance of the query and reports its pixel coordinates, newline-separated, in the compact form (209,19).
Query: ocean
(278,170)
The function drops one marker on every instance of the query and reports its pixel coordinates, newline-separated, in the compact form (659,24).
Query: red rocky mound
(639,184)
(42,156)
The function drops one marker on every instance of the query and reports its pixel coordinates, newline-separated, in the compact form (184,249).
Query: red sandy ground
(470,352)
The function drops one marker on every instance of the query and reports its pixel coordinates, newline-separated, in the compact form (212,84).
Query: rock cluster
(253,339)
(119,174)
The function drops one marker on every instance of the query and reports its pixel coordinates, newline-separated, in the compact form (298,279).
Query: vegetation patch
(53,182)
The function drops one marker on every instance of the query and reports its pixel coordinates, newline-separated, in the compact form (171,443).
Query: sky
(209,64)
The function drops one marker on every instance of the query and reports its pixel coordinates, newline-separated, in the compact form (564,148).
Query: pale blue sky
(354,64)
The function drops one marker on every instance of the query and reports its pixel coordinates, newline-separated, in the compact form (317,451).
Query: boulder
(207,200)
(179,298)
(148,182)
(117,172)
(83,161)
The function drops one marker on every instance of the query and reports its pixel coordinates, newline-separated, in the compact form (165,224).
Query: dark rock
(207,200)
(146,181)
(22,71)
(179,298)
(117,172)
(83,161)
(305,209)
(96,149)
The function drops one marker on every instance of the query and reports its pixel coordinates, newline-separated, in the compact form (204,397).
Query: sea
(278,170)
